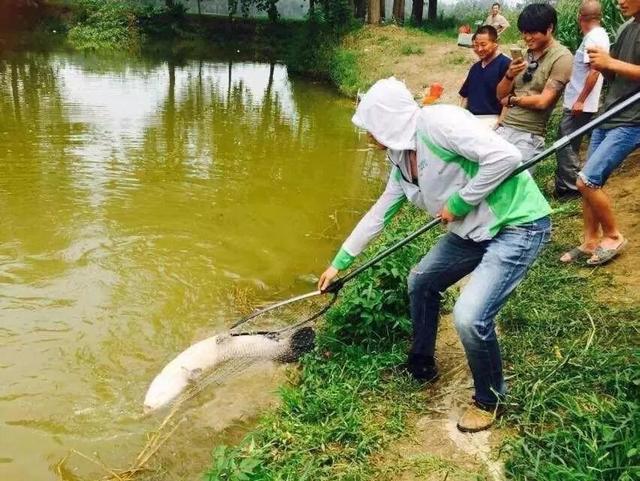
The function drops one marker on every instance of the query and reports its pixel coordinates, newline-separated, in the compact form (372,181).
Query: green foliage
(107,24)
(121,24)
(376,306)
(311,49)
(442,23)
(344,72)
(337,15)
(314,51)
(409,49)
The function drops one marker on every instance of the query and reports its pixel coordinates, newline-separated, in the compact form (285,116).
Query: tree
(374,12)
(432,11)
(361,9)
(417,11)
(398,12)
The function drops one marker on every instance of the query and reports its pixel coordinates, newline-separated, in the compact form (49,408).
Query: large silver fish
(205,355)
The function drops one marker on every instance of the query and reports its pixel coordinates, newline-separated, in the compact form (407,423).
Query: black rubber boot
(422,368)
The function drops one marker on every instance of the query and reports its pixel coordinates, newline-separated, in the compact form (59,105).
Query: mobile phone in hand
(516,53)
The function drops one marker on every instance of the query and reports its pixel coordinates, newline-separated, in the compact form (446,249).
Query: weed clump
(408,49)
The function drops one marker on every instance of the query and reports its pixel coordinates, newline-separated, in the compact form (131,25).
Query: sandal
(602,256)
(576,254)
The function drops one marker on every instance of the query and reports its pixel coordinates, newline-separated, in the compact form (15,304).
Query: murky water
(138,198)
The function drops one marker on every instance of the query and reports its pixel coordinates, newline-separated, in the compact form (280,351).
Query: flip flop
(603,255)
(575,254)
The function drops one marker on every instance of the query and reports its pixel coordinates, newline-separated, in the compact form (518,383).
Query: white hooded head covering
(389,113)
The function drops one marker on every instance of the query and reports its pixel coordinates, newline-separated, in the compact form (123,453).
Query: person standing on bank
(611,143)
(581,97)
(496,19)
(445,162)
(478,91)
(530,89)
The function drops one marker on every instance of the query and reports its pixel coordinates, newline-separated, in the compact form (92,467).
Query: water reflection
(136,196)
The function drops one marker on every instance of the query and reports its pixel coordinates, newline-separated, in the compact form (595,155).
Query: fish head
(165,388)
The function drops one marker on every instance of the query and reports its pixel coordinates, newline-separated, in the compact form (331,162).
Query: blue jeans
(497,266)
(607,150)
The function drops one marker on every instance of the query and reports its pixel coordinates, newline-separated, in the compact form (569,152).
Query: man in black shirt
(479,89)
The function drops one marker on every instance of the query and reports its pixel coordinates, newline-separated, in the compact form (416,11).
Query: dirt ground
(626,200)
(412,56)
(437,451)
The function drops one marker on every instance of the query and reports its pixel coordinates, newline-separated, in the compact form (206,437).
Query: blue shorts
(607,150)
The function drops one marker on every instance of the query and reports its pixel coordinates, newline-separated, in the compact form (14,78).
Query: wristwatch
(511,101)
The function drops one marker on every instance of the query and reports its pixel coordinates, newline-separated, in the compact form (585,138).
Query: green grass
(344,72)
(409,49)
(576,367)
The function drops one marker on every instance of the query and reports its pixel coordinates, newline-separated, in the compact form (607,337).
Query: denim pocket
(540,225)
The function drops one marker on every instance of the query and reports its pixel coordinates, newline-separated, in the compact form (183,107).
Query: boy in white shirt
(581,97)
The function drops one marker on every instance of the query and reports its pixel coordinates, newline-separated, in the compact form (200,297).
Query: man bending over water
(448,163)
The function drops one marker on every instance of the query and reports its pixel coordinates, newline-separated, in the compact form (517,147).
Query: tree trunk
(374,12)
(383,10)
(432,11)
(361,8)
(398,11)
(417,11)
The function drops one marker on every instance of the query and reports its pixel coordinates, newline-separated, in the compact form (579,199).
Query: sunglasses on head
(531,68)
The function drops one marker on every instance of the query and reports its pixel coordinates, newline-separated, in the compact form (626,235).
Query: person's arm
(379,215)
(596,38)
(496,159)
(504,24)
(603,62)
(589,84)
(505,86)
(541,101)
(558,78)
(464,93)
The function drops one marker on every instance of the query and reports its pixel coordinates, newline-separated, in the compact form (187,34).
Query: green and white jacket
(463,164)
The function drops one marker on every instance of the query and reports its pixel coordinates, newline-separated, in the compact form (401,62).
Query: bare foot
(611,242)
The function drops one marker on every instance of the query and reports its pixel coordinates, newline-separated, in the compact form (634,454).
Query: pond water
(140,198)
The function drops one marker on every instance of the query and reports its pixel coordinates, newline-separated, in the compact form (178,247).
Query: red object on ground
(435,91)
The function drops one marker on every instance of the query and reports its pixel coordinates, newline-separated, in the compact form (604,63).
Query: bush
(121,24)
(344,72)
(107,24)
